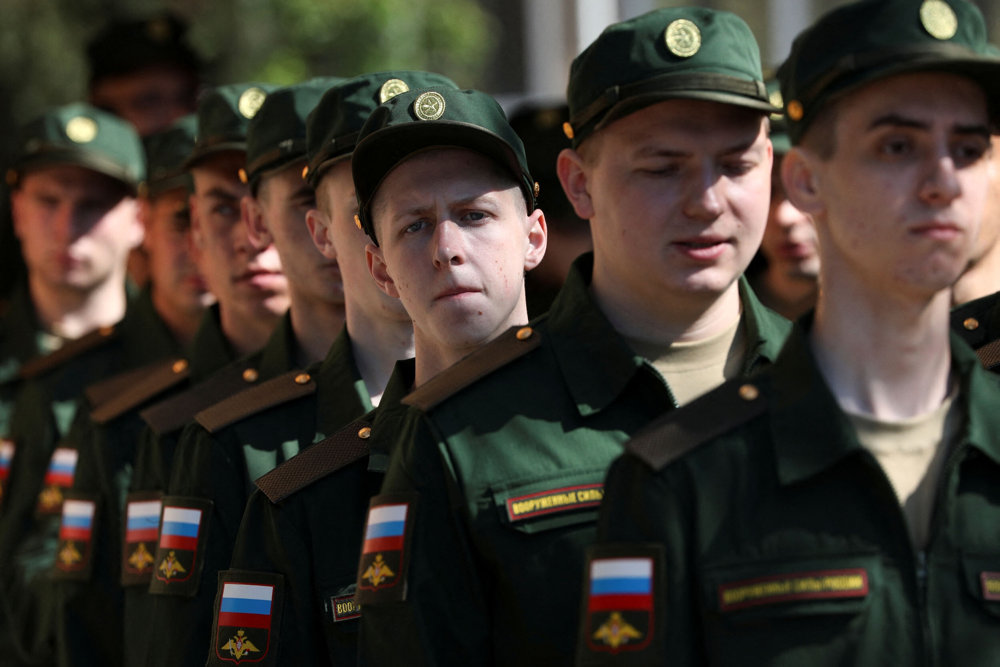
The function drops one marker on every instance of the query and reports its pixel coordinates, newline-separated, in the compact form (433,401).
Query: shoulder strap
(72,349)
(512,344)
(173,413)
(989,354)
(282,389)
(144,384)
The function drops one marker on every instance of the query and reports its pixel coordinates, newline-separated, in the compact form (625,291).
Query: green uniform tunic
(309,538)
(217,470)
(45,408)
(768,535)
(501,482)
(978,324)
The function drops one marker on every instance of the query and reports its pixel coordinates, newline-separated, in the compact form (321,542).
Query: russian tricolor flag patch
(247,611)
(384,549)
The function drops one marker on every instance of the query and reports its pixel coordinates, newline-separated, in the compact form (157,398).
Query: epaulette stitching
(42,364)
(512,344)
(255,399)
(163,417)
(157,380)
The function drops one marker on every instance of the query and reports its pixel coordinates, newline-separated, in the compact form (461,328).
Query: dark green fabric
(506,592)
(313,539)
(793,491)
(224,114)
(166,152)
(985,311)
(18,342)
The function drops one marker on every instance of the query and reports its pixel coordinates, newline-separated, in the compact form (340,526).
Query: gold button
(305,172)
(242,173)
(971,324)
(302,378)
(365,433)
(250,375)
(524,333)
(357,221)
(568,130)
(180,366)
(106,331)
(794,110)
(748,392)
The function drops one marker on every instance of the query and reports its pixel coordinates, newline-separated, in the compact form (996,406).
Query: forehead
(439,169)
(923,97)
(219,170)
(69,176)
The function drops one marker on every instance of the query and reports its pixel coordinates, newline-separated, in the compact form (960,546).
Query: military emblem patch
(73,553)
(384,550)
(6,458)
(247,613)
(793,587)
(179,553)
(142,528)
(554,501)
(58,478)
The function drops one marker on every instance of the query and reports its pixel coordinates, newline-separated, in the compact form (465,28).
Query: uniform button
(250,375)
(524,333)
(302,378)
(180,365)
(748,392)
(365,433)
(971,324)
(106,331)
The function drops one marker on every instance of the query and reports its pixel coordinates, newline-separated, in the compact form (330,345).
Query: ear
(538,235)
(319,230)
(801,177)
(573,176)
(253,218)
(379,270)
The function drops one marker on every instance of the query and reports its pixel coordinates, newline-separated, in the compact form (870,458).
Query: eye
(225,210)
(737,167)
(414,227)
(474,216)
(895,146)
(970,151)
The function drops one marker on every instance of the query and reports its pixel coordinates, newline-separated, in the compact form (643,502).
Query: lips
(937,230)
(702,248)
(455,292)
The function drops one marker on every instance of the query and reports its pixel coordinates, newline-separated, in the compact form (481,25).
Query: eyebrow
(740,147)
(219,193)
(895,120)
(464,201)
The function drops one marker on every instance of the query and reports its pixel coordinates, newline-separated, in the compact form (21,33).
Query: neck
(316,324)
(640,312)
(71,313)
(182,323)
(793,294)
(245,332)
(377,344)
(981,278)
(888,358)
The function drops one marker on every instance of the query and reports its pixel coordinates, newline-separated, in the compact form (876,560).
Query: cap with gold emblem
(125,46)
(276,136)
(333,128)
(866,41)
(224,114)
(686,52)
(779,125)
(437,116)
(82,135)
(165,155)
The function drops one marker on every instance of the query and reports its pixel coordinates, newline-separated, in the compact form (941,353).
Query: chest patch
(793,587)
(554,501)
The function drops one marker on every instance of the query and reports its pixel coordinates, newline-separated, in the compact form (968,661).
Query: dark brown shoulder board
(173,413)
(106,389)
(275,391)
(72,349)
(338,450)
(152,381)
(513,343)
(679,431)
(989,354)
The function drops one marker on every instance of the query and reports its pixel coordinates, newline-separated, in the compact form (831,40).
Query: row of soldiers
(365,452)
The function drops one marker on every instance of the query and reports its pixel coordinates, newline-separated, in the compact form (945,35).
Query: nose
(448,249)
(704,201)
(941,186)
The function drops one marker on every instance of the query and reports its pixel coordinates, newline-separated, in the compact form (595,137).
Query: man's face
(455,241)
(284,199)
(338,205)
(243,277)
(989,230)
(789,238)
(150,99)
(677,194)
(898,204)
(76,226)
(173,272)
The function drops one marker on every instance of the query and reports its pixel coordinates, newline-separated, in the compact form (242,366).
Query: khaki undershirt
(692,369)
(912,453)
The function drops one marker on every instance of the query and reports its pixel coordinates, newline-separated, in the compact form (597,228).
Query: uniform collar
(280,351)
(340,390)
(145,336)
(980,393)
(390,415)
(209,350)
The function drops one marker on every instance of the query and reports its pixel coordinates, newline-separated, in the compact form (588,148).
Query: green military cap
(684,52)
(430,117)
(865,41)
(779,125)
(82,135)
(125,46)
(224,114)
(166,152)
(333,128)
(276,136)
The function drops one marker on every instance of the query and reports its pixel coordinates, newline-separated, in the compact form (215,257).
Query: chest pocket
(553,501)
(826,585)
(982,580)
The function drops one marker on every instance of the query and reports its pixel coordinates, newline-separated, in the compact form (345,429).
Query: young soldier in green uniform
(214,476)
(492,496)
(309,554)
(73,204)
(841,508)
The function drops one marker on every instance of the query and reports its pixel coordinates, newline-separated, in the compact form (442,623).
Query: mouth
(702,248)
(455,293)
(942,231)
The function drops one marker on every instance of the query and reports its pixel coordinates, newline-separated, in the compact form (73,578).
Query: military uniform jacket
(496,489)
(777,539)
(978,324)
(214,472)
(301,533)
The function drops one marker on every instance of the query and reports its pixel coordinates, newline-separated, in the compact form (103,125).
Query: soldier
(214,471)
(74,210)
(492,493)
(842,507)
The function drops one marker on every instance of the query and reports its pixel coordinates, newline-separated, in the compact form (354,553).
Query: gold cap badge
(81,129)
(683,38)
(938,19)
(250,101)
(390,89)
(429,106)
